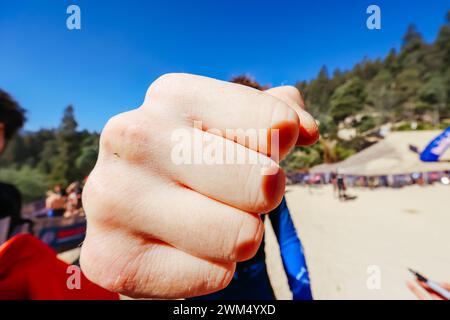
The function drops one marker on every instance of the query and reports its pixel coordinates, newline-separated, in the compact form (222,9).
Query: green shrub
(31,183)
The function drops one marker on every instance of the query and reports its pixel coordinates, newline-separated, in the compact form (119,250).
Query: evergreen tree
(65,170)
(348,99)
(412,40)
(381,96)
(318,92)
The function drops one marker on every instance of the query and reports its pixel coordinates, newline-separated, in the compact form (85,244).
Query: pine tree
(348,99)
(65,170)
(318,93)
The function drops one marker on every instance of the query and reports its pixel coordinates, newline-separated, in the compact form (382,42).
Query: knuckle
(283,111)
(127,136)
(111,132)
(163,85)
(295,94)
(173,96)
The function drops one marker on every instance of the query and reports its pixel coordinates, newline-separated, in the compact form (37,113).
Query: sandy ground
(391,229)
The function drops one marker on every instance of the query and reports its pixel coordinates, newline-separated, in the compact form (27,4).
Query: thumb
(308,131)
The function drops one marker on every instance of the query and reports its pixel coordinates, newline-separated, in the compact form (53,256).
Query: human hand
(423,292)
(164,229)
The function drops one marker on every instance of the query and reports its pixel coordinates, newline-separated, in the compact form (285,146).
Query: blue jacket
(291,252)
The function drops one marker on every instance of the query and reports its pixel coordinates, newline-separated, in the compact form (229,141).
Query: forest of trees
(412,85)
(36,161)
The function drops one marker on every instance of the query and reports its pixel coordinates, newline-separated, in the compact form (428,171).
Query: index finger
(223,107)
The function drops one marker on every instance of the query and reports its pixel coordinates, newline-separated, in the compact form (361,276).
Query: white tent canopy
(390,156)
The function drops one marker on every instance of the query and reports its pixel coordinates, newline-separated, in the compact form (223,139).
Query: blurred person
(55,203)
(333,180)
(421,290)
(58,189)
(10,212)
(73,205)
(29,269)
(12,118)
(341,187)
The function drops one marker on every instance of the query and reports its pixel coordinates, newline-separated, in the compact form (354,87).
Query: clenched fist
(158,227)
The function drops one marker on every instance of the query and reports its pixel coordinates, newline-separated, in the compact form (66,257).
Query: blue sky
(106,67)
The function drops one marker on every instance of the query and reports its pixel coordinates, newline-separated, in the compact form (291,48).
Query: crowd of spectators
(65,202)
